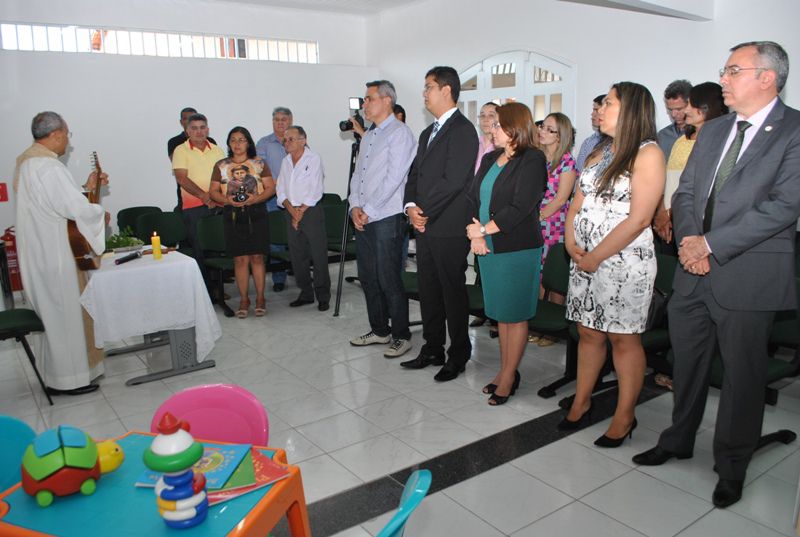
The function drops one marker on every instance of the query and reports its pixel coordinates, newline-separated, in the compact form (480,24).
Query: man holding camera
(376,201)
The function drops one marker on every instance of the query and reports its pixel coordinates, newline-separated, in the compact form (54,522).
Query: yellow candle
(155,242)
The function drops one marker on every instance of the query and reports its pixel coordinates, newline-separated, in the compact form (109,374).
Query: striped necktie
(725,169)
(433,132)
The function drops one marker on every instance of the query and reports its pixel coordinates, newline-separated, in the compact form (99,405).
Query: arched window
(544,84)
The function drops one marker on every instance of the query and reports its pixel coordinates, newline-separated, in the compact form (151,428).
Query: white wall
(605,45)
(126,108)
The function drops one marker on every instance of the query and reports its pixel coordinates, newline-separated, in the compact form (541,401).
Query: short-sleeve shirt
(199,163)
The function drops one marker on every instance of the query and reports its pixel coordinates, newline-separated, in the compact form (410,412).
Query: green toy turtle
(66,460)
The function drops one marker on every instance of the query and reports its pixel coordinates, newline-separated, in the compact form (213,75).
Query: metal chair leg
(21,339)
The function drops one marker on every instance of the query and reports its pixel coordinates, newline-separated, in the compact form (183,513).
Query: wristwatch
(482,229)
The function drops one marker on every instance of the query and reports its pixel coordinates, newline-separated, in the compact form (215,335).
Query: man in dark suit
(735,213)
(437,208)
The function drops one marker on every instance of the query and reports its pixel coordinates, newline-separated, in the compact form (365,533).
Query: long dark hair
(636,124)
(707,97)
(251,146)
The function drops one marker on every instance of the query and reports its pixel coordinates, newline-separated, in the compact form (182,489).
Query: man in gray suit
(735,213)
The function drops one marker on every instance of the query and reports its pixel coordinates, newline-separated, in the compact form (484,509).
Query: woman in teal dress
(506,235)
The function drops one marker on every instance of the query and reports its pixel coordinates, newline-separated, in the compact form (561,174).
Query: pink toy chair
(222,412)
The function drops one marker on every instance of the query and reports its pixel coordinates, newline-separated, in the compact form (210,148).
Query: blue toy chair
(415,490)
(15,436)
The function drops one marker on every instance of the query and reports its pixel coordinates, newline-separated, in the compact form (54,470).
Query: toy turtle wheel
(88,487)
(44,498)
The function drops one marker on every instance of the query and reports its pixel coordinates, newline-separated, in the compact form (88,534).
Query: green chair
(331,198)
(474,293)
(278,261)
(550,318)
(335,215)
(128,217)
(211,239)
(169,226)
(18,323)
(655,341)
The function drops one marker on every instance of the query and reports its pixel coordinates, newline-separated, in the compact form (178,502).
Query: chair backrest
(335,214)
(277,227)
(222,412)
(331,197)
(666,272)
(169,226)
(15,436)
(211,233)
(128,217)
(555,273)
(415,490)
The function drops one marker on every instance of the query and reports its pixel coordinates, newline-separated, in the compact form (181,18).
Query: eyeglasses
(429,87)
(290,139)
(495,125)
(733,70)
(548,129)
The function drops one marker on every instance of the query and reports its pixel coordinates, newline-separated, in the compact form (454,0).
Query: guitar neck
(94,195)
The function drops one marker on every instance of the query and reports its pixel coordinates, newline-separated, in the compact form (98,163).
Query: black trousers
(697,324)
(441,272)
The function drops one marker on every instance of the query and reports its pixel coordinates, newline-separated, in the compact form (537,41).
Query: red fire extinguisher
(11,257)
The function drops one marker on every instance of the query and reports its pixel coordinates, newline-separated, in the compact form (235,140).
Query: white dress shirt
(301,183)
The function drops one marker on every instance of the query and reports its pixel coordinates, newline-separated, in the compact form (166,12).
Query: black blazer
(440,174)
(516,196)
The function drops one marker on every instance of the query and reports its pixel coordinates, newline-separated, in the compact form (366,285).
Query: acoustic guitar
(85,257)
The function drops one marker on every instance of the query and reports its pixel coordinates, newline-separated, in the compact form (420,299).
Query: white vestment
(47,197)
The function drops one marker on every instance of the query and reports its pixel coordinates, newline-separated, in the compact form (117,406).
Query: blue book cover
(218,463)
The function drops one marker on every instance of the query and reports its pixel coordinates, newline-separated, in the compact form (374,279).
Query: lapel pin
(768,128)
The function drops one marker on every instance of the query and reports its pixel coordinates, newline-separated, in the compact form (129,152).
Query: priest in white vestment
(47,196)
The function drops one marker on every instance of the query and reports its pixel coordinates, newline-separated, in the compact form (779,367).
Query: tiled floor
(347,416)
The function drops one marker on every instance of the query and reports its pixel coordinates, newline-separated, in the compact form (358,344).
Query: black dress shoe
(89,388)
(727,492)
(658,456)
(278,287)
(300,302)
(448,372)
(569,425)
(422,361)
(608,442)
(323,306)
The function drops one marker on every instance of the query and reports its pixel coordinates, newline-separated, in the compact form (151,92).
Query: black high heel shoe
(497,400)
(608,442)
(583,421)
(491,387)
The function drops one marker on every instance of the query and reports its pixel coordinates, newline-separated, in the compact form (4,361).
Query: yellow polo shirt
(199,163)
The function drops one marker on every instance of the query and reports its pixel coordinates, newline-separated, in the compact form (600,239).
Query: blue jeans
(379,251)
(278,276)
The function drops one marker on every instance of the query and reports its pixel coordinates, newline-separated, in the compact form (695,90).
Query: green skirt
(510,283)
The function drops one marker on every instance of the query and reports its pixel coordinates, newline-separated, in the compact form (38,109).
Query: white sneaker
(398,348)
(370,338)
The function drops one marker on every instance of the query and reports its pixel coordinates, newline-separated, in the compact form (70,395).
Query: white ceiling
(361,7)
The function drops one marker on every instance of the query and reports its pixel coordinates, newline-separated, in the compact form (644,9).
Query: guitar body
(85,257)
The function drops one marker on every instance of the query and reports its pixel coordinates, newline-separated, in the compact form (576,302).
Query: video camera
(355,106)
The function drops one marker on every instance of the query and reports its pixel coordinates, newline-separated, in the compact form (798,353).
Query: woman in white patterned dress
(613,266)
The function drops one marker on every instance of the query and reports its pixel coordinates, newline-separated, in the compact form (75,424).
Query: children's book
(218,463)
(266,473)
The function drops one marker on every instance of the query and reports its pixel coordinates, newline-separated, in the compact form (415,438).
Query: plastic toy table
(119,508)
